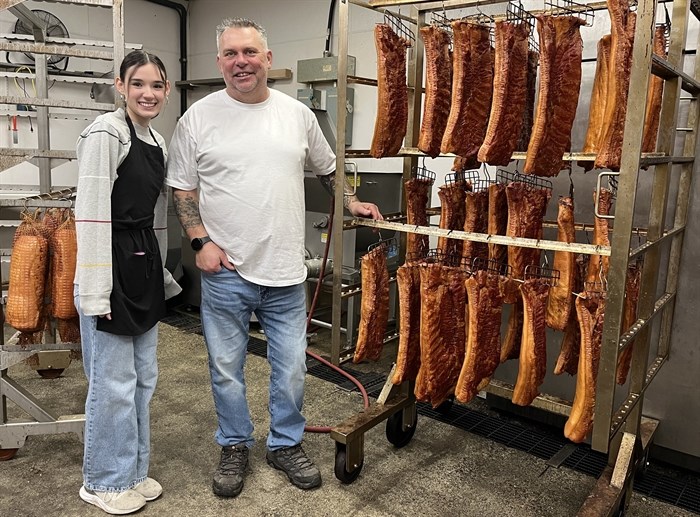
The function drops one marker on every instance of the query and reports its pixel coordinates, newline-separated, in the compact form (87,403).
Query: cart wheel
(340,463)
(50,373)
(395,433)
(7,454)
(445,408)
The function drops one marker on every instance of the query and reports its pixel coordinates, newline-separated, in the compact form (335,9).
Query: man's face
(243,62)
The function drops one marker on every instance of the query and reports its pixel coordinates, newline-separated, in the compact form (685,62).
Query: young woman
(121,284)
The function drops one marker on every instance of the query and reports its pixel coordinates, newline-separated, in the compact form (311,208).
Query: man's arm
(210,258)
(350,200)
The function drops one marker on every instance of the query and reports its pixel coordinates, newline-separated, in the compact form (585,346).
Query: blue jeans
(122,372)
(228,301)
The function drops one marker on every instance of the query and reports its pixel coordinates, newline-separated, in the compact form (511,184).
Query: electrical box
(321,69)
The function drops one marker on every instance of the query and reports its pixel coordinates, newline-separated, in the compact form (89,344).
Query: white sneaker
(149,488)
(115,503)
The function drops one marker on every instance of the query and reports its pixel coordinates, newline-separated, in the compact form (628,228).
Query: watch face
(197,244)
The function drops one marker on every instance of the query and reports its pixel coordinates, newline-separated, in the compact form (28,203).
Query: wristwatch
(198,242)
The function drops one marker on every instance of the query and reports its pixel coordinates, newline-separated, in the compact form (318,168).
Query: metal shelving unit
(14,433)
(621,432)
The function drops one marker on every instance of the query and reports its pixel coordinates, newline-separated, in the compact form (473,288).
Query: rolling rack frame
(13,434)
(622,432)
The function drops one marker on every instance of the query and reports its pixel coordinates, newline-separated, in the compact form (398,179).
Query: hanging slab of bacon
(510,347)
(533,349)
(629,317)
(590,309)
(417,193)
(392,92)
(561,49)
(533,60)
(498,221)
(567,361)
(374,309)
(598,265)
(438,89)
(442,331)
(483,348)
(560,295)
(656,91)
(599,99)
(476,221)
(622,24)
(509,93)
(408,355)
(452,214)
(472,90)
(526,209)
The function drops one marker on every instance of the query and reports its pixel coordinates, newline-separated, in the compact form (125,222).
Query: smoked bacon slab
(452,213)
(417,193)
(590,309)
(622,25)
(476,221)
(438,89)
(442,331)
(510,347)
(533,60)
(629,317)
(561,298)
(561,49)
(408,355)
(374,309)
(392,92)
(509,93)
(533,349)
(472,91)
(599,99)
(498,221)
(652,118)
(483,347)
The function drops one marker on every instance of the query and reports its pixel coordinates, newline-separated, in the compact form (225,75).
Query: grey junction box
(321,69)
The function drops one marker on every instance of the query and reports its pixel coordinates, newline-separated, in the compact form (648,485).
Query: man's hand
(210,259)
(360,209)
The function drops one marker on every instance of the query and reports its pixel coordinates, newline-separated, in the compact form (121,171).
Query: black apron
(138,295)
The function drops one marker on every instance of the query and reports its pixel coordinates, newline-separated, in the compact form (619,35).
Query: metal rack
(622,431)
(43,421)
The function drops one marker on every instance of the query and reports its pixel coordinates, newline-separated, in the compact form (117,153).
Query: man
(237,161)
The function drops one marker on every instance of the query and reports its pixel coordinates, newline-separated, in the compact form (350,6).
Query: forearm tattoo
(328,182)
(187,209)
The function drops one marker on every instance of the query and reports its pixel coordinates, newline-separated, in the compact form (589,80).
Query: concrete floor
(442,471)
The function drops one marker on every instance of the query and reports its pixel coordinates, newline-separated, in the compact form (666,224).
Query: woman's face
(145,91)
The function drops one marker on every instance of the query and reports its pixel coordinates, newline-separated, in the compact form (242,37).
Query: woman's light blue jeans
(228,301)
(122,373)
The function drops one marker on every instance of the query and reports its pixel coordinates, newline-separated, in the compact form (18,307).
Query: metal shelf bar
(547,402)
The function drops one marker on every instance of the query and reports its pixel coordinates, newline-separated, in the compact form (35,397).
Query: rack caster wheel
(445,408)
(395,433)
(7,454)
(341,472)
(50,373)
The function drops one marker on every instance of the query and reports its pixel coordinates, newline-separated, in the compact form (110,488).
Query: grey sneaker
(114,503)
(228,478)
(294,462)
(149,488)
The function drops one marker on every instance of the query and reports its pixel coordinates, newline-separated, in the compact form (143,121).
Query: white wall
(151,25)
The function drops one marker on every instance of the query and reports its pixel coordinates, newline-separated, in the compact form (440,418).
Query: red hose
(365,397)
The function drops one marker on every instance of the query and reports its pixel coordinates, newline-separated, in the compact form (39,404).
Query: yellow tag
(324,237)
(354,182)
(327,68)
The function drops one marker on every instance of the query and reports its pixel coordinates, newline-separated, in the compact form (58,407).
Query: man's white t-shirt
(247,161)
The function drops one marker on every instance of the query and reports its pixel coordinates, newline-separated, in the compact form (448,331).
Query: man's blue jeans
(228,301)
(122,373)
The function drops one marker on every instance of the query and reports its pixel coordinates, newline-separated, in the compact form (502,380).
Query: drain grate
(681,489)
